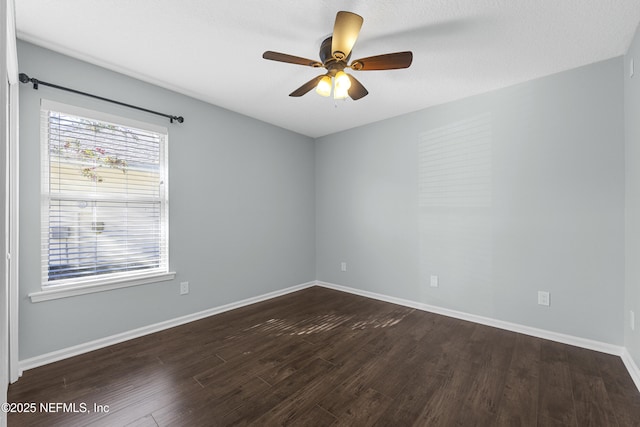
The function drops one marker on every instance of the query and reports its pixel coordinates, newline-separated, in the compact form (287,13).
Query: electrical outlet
(543,298)
(433,282)
(184,288)
(343,266)
(632,320)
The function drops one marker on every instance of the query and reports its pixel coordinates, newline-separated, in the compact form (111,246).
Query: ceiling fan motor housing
(332,64)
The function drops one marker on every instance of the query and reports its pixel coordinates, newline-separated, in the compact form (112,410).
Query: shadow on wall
(455,202)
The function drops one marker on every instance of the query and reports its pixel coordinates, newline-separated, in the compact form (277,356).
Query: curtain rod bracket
(26,79)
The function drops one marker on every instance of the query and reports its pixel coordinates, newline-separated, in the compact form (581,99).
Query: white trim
(64,353)
(14,222)
(12,47)
(631,366)
(14,227)
(514,327)
(8,73)
(99,286)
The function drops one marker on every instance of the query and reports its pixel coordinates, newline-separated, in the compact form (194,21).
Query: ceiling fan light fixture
(324,86)
(340,93)
(342,81)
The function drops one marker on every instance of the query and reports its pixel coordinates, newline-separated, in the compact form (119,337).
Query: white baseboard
(64,353)
(501,324)
(633,369)
(602,347)
(55,356)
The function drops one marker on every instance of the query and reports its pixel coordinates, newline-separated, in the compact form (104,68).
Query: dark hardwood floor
(321,357)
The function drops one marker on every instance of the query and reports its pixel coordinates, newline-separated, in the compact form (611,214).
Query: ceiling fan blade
(307,86)
(290,59)
(356,91)
(389,61)
(345,33)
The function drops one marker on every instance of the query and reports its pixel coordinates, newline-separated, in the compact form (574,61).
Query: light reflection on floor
(327,322)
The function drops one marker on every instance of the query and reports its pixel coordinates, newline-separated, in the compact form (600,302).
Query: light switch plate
(433,282)
(184,288)
(543,298)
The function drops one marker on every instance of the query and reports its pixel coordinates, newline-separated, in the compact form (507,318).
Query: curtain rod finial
(26,79)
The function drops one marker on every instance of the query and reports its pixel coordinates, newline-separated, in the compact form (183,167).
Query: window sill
(89,288)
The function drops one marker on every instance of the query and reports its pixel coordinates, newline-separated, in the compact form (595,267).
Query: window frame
(100,282)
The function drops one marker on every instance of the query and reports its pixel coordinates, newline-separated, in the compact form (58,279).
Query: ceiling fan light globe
(324,86)
(343,83)
(340,93)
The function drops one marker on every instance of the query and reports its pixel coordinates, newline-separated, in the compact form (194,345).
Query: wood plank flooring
(319,357)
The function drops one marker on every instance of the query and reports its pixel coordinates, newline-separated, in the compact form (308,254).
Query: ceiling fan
(335,53)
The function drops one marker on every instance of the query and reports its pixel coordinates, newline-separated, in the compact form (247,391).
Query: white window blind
(104,187)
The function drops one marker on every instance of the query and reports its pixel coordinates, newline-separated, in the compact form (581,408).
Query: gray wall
(632,139)
(537,203)
(242,208)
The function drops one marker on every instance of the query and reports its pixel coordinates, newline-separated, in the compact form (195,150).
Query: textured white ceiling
(212,49)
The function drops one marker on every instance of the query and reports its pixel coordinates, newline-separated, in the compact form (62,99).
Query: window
(104,199)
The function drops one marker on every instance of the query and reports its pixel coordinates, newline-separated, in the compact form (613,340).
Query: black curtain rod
(26,79)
